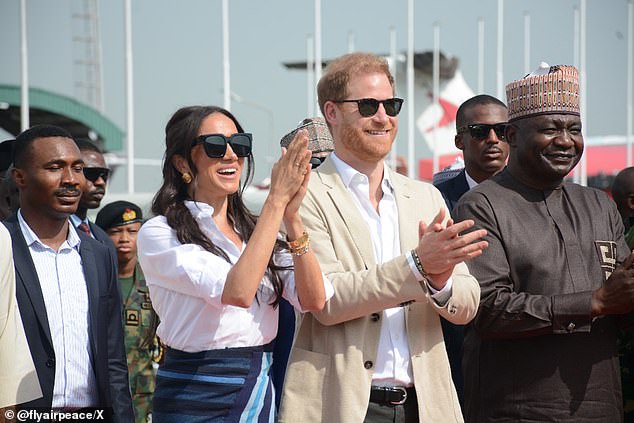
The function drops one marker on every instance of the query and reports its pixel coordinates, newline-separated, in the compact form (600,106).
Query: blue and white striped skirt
(228,385)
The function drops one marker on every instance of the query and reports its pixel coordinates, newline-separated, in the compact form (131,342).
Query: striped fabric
(61,277)
(228,385)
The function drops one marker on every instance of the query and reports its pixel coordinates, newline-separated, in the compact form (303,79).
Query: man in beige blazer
(376,351)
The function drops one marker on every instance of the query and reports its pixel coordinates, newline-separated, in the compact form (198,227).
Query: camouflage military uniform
(139,320)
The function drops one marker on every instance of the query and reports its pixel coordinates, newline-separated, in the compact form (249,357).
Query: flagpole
(310,76)
(129,95)
(393,151)
(225,54)
(582,86)
(25,122)
(527,43)
(351,42)
(500,49)
(630,84)
(410,90)
(436,92)
(318,60)
(480,55)
(576,175)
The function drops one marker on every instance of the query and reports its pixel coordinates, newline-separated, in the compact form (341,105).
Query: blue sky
(178,56)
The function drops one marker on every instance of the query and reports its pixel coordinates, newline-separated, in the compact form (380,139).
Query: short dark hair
(24,140)
(333,85)
(478,100)
(84,144)
(622,187)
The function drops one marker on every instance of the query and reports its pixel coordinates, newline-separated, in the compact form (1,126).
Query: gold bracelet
(299,243)
(301,250)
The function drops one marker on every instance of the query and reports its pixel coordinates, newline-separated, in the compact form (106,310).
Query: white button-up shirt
(393,365)
(65,293)
(186,284)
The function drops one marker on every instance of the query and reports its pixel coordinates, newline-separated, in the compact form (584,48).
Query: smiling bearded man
(385,242)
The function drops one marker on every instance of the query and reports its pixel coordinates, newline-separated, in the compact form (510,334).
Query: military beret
(118,213)
(6,154)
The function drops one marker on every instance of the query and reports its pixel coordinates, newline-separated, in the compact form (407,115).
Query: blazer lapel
(27,275)
(90,275)
(408,216)
(342,201)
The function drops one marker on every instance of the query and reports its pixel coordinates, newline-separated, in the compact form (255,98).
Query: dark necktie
(85,228)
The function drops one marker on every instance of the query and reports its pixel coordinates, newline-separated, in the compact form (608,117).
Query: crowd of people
(503,294)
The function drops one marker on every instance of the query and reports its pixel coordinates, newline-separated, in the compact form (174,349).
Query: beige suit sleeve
(17,373)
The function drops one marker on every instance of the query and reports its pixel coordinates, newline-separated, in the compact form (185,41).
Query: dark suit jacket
(106,331)
(452,189)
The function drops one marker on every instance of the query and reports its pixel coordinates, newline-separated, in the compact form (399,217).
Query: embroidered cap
(319,138)
(118,213)
(549,89)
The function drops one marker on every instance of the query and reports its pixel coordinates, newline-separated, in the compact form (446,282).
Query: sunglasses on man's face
(94,173)
(369,106)
(216,144)
(480,131)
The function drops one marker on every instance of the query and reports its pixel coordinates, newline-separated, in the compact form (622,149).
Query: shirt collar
(199,210)
(76,220)
(470,181)
(31,237)
(348,173)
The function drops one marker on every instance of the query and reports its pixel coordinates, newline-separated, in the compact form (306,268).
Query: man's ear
(458,142)
(330,112)
(510,134)
(630,202)
(19,177)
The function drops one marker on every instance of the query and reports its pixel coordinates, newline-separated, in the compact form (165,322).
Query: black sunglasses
(94,173)
(216,144)
(369,106)
(480,131)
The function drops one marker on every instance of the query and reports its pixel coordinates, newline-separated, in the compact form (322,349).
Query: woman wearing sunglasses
(216,271)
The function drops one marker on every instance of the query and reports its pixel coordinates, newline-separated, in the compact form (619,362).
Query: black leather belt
(391,395)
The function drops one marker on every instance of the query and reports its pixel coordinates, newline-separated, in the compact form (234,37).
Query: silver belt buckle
(401,402)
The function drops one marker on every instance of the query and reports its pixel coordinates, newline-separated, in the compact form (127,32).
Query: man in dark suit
(480,124)
(96,173)
(66,283)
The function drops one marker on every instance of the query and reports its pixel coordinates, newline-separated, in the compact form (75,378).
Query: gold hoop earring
(186,177)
